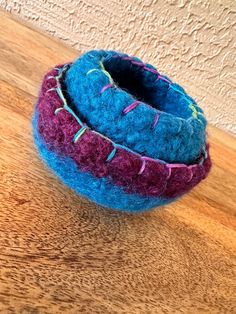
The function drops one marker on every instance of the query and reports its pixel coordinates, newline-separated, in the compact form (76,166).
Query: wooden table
(62,254)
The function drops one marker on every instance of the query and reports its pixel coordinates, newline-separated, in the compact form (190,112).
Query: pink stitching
(131,106)
(150,70)
(192,166)
(156,119)
(105,87)
(176,165)
(171,166)
(127,58)
(165,80)
(138,63)
(169,174)
(191,174)
(143,166)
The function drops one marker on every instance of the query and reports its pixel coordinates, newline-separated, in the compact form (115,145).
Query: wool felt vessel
(119,133)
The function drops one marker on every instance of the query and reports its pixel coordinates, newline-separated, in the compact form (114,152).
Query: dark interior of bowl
(147,86)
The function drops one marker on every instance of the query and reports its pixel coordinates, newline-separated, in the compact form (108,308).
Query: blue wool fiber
(179,134)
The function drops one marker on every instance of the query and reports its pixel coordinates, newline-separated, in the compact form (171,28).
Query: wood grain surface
(61,254)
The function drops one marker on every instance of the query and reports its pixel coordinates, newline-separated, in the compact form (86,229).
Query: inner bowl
(148,86)
(130,102)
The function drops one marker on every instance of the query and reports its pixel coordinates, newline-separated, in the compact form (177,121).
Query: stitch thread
(51,89)
(194,111)
(68,109)
(58,110)
(91,71)
(150,70)
(79,133)
(126,58)
(105,88)
(169,173)
(164,79)
(177,90)
(112,154)
(156,119)
(127,149)
(52,77)
(131,106)
(58,89)
(142,167)
(191,174)
(176,165)
(138,63)
(157,160)
(106,72)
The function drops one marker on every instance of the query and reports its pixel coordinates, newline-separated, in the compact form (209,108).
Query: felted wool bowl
(119,133)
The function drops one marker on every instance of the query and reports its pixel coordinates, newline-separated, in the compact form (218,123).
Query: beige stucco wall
(191,41)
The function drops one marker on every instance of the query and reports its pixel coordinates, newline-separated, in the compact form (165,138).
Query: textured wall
(191,41)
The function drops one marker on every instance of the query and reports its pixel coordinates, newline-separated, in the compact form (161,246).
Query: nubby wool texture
(119,133)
